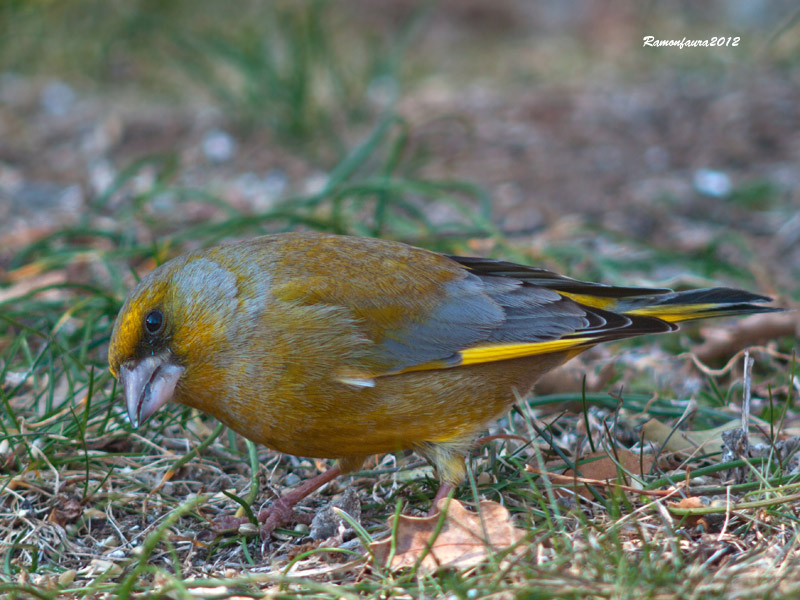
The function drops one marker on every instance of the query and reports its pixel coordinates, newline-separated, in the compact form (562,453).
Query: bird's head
(170,333)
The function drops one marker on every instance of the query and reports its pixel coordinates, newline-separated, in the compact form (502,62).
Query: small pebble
(94,513)
(327,523)
(67,577)
(57,99)
(315,183)
(248,529)
(219,146)
(101,175)
(301,528)
(712,183)
(274,184)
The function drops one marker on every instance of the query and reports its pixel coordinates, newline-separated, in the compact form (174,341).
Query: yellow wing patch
(593,301)
(485,354)
(498,352)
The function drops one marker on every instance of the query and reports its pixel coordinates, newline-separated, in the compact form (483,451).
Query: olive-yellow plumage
(340,347)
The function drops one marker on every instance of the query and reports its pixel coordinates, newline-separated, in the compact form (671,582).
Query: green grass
(69,441)
(90,508)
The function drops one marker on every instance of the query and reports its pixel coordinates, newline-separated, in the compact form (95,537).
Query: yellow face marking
(128,327)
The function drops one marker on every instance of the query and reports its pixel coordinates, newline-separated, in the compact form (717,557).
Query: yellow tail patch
(675,314)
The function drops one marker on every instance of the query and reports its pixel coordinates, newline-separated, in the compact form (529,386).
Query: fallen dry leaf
(67,511)
(707,441)
(599,466)
(571,480)
(462,542)
(691,502)
(751,331)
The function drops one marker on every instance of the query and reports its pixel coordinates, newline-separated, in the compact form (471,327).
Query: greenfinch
(341,347)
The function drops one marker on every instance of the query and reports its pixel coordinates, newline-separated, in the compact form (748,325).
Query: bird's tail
(613,312)
(675,307)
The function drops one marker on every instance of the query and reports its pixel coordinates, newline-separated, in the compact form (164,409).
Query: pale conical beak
(148,385)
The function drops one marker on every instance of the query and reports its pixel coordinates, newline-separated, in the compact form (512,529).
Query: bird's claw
(228,524)
(278,514)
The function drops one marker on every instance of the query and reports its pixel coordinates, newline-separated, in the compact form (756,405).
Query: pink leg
(442,492)
(280,512)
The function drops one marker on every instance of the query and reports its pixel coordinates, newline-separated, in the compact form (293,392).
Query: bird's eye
(154,322)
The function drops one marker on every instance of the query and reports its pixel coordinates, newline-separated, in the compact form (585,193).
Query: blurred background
(541,132)
(546,123)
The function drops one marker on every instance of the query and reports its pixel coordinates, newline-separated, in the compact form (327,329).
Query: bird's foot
(280,512)
(228,524)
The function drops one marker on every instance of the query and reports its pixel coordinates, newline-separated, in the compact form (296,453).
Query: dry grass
(569,122)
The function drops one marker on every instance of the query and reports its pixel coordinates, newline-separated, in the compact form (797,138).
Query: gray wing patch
(534,314)
(464,319)
(485,310)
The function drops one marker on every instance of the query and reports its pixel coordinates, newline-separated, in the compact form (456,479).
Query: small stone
(101,176)
(57,99)
(301,528)
(315,183)
(292,479)
(274,184)
(712,183)
(93,513)
(327,523)
(248,529)
(219,146)
(67,577)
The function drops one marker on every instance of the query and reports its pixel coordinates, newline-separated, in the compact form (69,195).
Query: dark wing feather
(549,280)
(488,309)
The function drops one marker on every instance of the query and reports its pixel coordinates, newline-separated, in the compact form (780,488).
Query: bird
(339,347)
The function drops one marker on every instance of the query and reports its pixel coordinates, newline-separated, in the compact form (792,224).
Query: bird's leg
(280,511)
(442,492)
(450,463)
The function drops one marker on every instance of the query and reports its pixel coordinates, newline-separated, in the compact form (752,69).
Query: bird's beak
(148,385)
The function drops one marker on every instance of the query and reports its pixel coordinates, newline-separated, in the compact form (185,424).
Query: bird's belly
(338,421)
